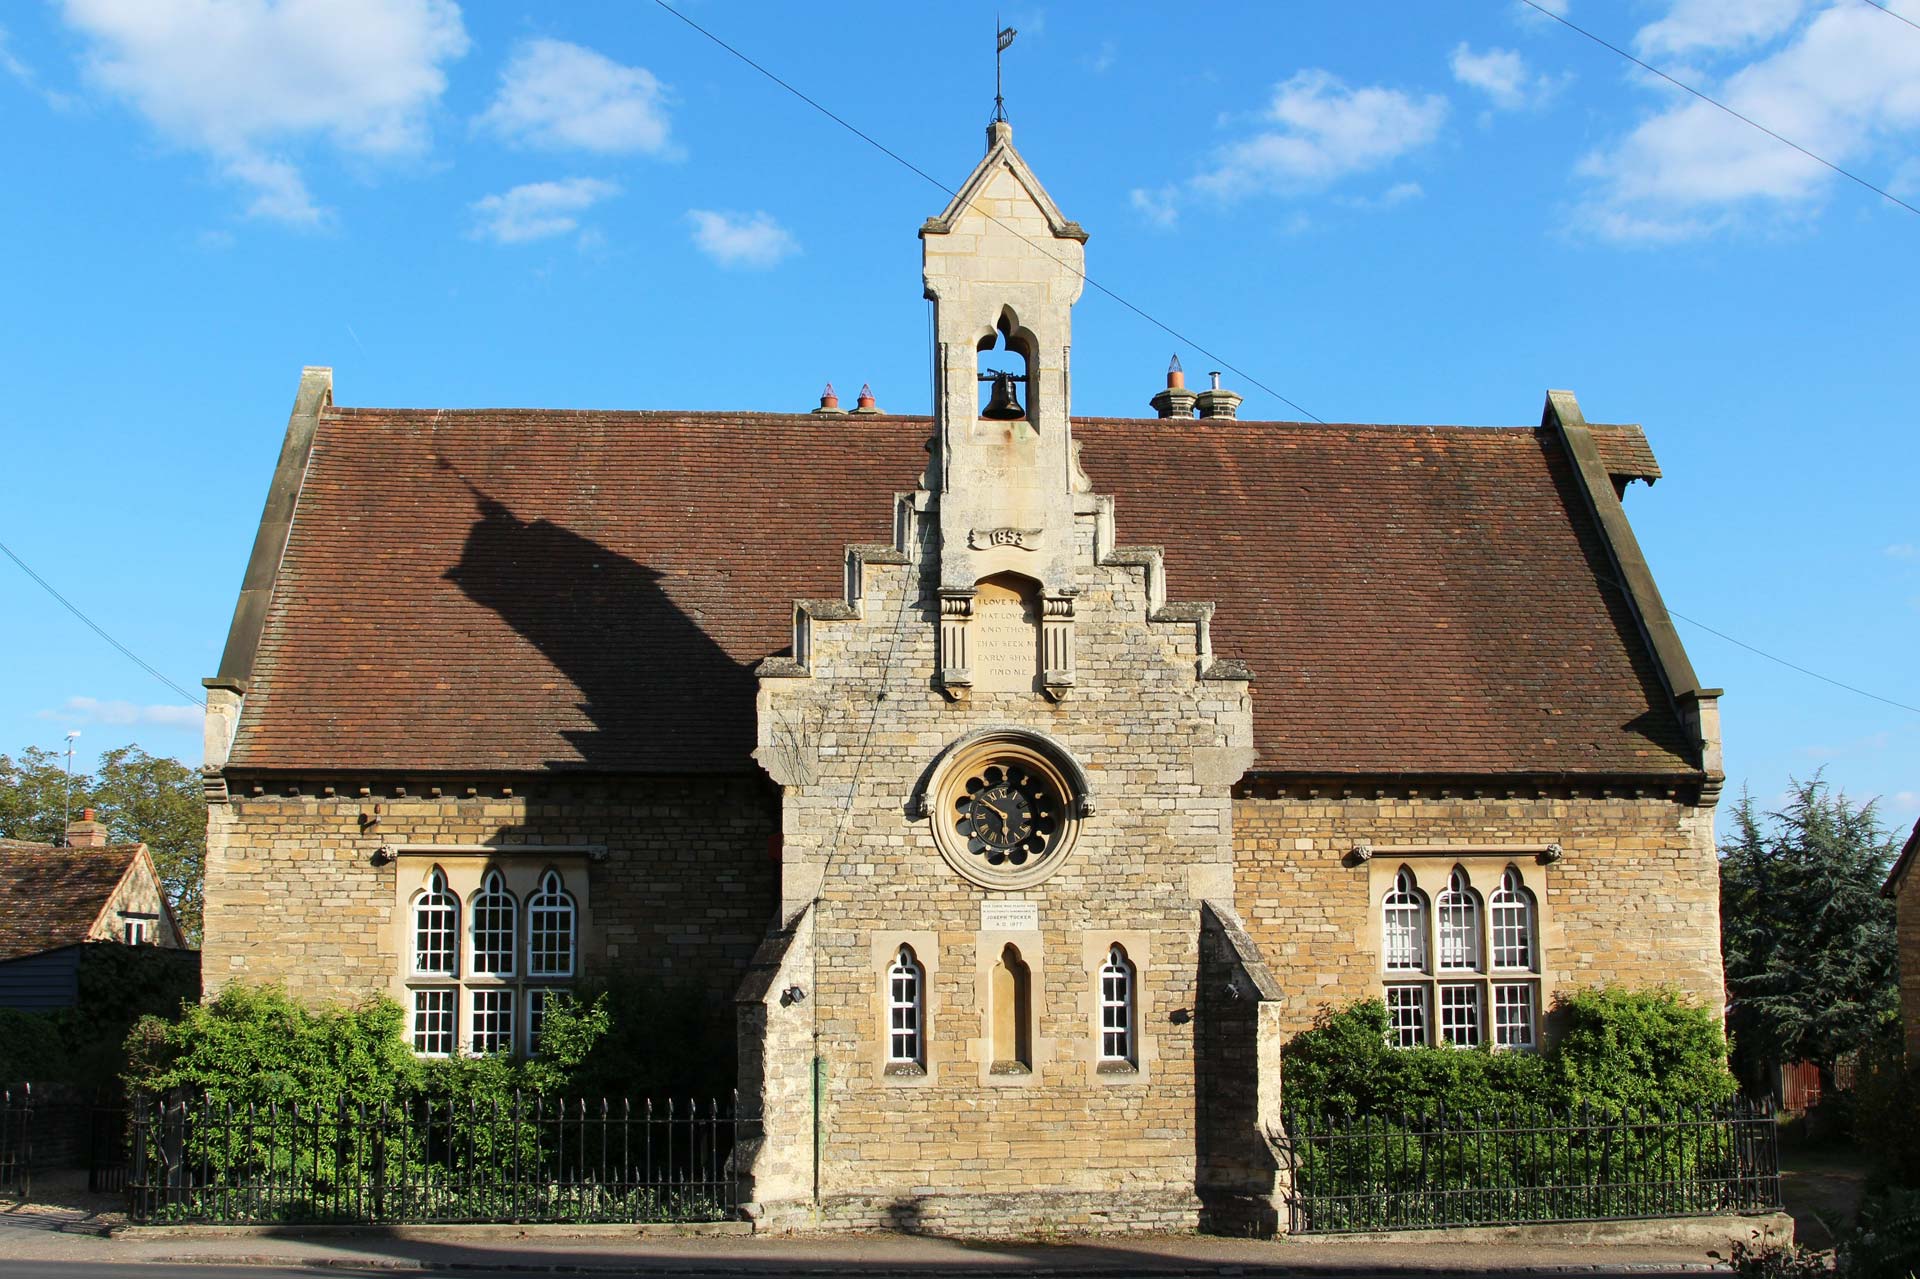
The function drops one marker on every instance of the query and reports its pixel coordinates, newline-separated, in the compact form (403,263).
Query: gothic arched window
(492,912)
(1511,914)
(550,929)
(1116,1006)
(436,926)
(1458,915)
(906,1009)
(1404,924)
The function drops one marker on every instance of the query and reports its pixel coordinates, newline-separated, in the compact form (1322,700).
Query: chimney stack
(1176,400)
(86,833)
(1215,402)
(829,402)
(865,403)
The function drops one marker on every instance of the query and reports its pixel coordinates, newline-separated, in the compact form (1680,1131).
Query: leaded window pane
(1510,911)
(1460,1016)
(491,1026)
(550,929)
(1513,1015)
(1459,918)
(1405,925)
(904,1008)
(1407,1016)
(1116,1007)
(436,925)
(493,928)
(433,1022)
(538,1002)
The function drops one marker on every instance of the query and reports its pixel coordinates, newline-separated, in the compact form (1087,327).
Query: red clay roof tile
(510,590)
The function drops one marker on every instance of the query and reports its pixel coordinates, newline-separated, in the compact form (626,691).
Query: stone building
(1017,779)
(1903,886)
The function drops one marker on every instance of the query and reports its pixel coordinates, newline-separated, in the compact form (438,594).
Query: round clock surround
(1005,808)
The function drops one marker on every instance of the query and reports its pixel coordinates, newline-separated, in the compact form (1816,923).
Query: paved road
(198,1270)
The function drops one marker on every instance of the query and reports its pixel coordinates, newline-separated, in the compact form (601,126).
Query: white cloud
(734,239)
(1906,799)
(1839,87)
(249,81)
(91,710)
(1503,76)
(12,65)
(538,210)
(1160,206)
(1902,551)
(558,95)
(1324,131)
(1398,193)
(1716,26)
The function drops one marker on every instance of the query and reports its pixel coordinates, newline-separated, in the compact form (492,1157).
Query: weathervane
(1000,43)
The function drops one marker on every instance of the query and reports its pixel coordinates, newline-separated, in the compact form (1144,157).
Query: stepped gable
(530,590)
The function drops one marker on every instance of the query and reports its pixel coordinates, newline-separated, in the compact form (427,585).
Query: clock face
(1009,815)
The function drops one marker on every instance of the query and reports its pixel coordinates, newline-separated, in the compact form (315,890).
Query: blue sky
(1398,212)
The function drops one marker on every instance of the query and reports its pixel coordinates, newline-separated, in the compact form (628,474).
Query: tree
(142,798)
(158,801)
(1807,939)
(33,795)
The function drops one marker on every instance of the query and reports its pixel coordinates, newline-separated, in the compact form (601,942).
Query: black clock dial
(1008,815)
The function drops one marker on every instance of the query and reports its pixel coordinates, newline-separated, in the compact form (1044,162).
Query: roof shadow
(606,623)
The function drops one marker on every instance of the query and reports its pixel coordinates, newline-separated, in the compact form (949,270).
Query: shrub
(1640,1050)
(1618,1049)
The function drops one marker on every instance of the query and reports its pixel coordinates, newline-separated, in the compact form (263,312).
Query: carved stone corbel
(1056,645)
(956,678)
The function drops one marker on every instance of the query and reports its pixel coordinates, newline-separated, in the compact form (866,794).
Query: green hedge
(1612,1049)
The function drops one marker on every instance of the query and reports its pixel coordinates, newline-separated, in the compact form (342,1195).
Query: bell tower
(1003,268)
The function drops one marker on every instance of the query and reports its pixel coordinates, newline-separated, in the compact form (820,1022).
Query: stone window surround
(1432,866)
(936,1050)
(989,944)
(1094,946)
(465,868)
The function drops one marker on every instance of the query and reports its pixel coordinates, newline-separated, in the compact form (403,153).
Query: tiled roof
(1625,452)
(1903,863)
(50,896)
(514,590)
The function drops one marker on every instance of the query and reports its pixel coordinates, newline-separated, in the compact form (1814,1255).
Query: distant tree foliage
(1807,938)
(142,798)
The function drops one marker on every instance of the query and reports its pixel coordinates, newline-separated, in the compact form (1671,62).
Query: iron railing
(16,1141)
(1510,1167)
(426,1159)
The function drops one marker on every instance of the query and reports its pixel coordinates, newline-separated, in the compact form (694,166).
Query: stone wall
(295,894)
(1633,899)
(852,740)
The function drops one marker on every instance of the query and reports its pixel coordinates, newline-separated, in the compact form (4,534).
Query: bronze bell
(1003,405)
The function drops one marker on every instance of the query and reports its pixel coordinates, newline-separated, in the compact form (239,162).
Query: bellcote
(1003,268)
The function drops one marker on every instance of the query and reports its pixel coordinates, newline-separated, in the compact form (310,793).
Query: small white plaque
(1009,917)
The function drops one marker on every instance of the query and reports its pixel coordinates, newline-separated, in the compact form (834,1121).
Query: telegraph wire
(1714,102)
(1795,666)
(929,178)
(901,160)
(1891,14)
(1627,591)
(72,608)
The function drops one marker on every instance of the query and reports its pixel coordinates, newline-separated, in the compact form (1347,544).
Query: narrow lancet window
(1116,1008)
(906,1009)
(1404,924)
(436,928)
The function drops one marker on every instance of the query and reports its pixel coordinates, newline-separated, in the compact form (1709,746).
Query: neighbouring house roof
(1903,863)
(52,896)
(508,590)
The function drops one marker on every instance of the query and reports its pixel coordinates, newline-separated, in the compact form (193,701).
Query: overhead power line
(911,167)
(97,630)
(1715,102)
(1899,17)
(1794,666)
